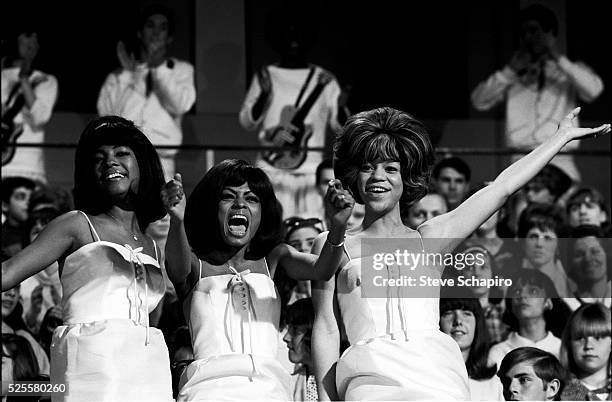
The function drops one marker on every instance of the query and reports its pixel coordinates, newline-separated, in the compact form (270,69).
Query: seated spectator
(181,355)
(42,290)
(12,323)
(586,206)
(16,193)
(590,267)
(323,174)
(430,206)
(300,317)
(491,299)
(463,320)
(451,177)
(539,230)
(533,311)
(585,352)
(509,214)
(300,234)
(503,250)
(531,374)
(18,364)
(548,186)
(54,317)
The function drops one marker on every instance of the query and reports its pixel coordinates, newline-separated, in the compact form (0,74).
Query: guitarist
(28,97)
(275,97)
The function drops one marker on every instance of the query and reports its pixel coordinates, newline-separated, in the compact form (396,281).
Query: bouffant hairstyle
(476,362)
(201,222)
(115,130)
(385,134)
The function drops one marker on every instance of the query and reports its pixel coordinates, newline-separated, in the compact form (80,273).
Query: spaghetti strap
(91,227)
(421,239)
(155,248)
(200,275)
(267,269)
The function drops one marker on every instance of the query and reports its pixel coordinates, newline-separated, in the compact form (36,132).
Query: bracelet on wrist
(336,245)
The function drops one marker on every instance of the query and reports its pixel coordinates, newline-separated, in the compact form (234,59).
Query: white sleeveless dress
(233,320)
(106,351)
(397,350)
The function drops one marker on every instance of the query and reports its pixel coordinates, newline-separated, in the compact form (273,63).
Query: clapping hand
(339,203)
(263,77)
(568,127)
(173,197)
(127,60)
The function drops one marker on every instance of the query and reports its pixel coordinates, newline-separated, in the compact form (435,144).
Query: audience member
(54,317)
(491,298)
(585,352)
(539,230)
(153,89)
(42,290)
(181,355)
(300,317)
(430,206)
(590,267)
(451,177)
(539,87)
(16,193)
(12,323)
(463,320)
(587,206)
(292,103)
(28,97)
(548,186)
(18,364)
(532,312)
(531,374)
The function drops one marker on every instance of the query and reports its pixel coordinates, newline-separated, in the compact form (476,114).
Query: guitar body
(10,130)
(287,134)
(10,133)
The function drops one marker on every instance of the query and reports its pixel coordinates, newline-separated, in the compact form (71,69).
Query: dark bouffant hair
(201,222)
(385,134)
(154,9)
(115,130)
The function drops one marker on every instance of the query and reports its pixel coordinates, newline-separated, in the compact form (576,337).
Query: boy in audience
(430,206)
(16,193)
(452,180)
(547,186)
(530,374)
(586,206)
(529,310)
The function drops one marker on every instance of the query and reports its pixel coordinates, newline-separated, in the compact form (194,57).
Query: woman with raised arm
(224,246)
(397,351)
(110,274)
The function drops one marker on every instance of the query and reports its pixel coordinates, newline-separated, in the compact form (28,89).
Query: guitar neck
(300,115)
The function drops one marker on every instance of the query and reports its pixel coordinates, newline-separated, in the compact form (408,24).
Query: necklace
(121,224)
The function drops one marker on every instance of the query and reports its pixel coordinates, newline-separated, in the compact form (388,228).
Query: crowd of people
(256,284)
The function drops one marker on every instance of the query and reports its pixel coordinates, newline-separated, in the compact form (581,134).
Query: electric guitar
(10,130)
(292,132)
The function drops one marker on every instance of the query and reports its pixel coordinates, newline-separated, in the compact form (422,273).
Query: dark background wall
(423,57)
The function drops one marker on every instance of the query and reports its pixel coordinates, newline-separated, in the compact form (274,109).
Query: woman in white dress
(223,248)
(110,274)
(397,351)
